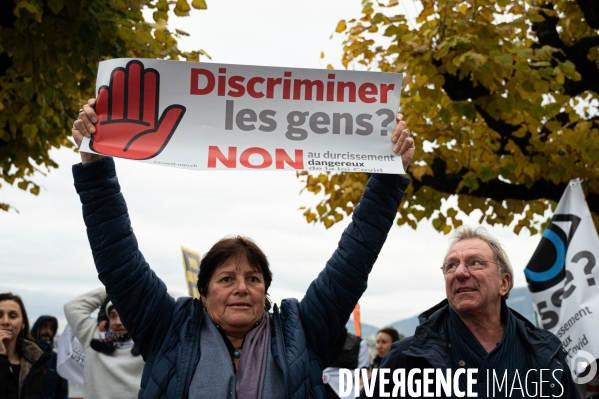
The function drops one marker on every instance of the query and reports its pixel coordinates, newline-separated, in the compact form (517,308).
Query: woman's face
(383,344)
(11,320)
(236,296)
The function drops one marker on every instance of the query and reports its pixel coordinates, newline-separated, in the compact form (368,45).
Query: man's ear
(506,280)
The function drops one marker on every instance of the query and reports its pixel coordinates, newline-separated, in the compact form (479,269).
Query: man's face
(475,292)
(46,330)
(115,323)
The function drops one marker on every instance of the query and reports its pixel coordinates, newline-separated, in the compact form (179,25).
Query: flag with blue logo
(563,277)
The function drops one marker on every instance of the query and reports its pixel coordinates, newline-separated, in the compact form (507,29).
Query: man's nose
(462,270)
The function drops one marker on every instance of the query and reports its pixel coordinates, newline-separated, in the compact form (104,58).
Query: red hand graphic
(128,124)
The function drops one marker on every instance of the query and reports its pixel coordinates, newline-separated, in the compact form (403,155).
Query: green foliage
(501,97)
(49,54)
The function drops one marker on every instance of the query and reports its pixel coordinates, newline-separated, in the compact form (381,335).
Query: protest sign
(562,279)
(70,357)
(206,116)
(191,268)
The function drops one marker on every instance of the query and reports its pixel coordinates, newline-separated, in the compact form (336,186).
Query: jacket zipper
(193,353)
(282,352)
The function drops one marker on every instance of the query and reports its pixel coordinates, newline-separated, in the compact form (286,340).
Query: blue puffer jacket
(167,332)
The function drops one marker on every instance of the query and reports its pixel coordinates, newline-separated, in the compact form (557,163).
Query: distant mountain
(368,330)
(519,300)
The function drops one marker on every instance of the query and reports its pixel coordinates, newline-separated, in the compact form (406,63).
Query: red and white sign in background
(206,116)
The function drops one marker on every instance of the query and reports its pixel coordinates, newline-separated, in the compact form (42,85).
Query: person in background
(106,342)
(348,352)
(111,369)
(43,332)
(21,360)
(385,337)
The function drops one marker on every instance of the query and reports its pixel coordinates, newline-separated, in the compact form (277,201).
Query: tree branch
(497,189)
(591,12)
(548,35)
(461,89)
(587,43)
(505,130)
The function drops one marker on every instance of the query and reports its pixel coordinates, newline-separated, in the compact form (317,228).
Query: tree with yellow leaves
(49,55)
(502,98)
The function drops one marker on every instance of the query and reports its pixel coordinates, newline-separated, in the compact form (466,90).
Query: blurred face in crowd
(474,291)
(383,344)
(115,322)
(46,331)
(236,296)
(11,320)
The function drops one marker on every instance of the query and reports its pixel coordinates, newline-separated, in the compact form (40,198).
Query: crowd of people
(233,342)
(114,366)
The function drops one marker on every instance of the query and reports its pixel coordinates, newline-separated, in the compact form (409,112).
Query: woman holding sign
(229,344)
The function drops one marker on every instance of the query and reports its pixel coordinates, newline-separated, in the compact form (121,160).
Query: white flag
(70,358)
(563,279)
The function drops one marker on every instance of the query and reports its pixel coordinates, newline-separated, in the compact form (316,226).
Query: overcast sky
(44,253)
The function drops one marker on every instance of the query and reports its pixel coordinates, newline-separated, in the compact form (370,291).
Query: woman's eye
(226,279)
(254,279)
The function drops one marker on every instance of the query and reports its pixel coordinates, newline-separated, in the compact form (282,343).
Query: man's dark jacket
(55,387)
(428,348)
(168,332)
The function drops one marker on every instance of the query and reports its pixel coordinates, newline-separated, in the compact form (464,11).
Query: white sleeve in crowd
(364,356)
(78,314)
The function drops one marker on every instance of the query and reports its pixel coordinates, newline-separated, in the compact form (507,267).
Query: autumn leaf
(341,26)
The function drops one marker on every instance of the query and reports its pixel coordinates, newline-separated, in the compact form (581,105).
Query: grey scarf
(214,376)
(252,365)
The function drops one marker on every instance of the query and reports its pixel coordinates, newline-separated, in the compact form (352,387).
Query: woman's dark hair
(236,246)
(25,332)
(392,332)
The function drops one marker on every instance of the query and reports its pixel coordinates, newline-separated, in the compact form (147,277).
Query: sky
(44,253)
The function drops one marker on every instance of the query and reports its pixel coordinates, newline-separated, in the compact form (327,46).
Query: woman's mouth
(240,305)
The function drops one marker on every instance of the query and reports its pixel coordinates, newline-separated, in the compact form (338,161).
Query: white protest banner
(207,116)
(70,357)
(562,277)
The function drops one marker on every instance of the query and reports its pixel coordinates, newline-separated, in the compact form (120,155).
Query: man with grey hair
(472,344)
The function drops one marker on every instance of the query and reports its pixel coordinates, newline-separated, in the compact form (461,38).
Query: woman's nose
(241,287)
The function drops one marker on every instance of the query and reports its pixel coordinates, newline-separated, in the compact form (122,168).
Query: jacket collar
(29,351)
